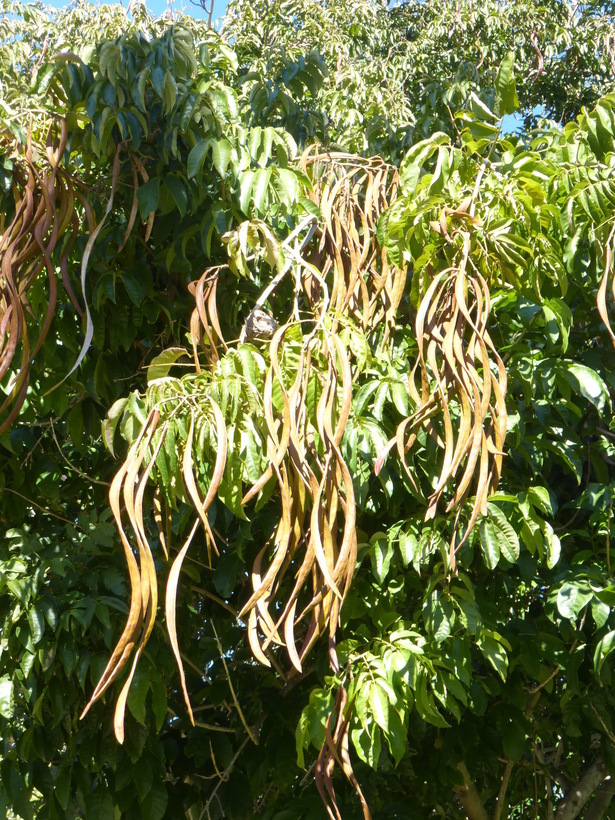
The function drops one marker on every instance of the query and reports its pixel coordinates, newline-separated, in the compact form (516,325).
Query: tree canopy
(306,442)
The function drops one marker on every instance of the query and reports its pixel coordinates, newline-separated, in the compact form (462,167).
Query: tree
(324,352)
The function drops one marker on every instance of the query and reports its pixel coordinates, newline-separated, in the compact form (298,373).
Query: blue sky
(158,6)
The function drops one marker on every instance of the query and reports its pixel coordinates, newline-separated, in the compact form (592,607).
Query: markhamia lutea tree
(307,461)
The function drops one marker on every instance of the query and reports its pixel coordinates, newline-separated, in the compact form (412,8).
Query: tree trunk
(601,801)
(469,797)
(580,792)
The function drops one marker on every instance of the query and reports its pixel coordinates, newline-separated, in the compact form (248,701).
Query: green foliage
(427,434)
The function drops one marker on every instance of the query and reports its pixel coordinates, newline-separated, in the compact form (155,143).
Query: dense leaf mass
(306,440)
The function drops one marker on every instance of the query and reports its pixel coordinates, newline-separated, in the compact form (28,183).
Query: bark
(601,801)
(501,801)
(580,792)
(469,797)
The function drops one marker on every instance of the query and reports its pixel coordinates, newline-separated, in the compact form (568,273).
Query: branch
(501,798)
(601,801)
(501,802)
(469,797)
(581,791)
(308,221)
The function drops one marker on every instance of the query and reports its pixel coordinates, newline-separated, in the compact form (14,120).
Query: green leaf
(557,312)
(62,788)
(507,538)
(513,739)
(603,650)
(381,554)
(148,196)
(50,612)
(572,597)
(469,613)
(553,545)
(588,384)
(36,620)
(99,805)
(110,423)
(196,158)
(221,155)
(600,612)
(138,694)
(160,705)
(178,191)
(259,188)
(396,736)
(412,163)
(495,653)
(302,740)
(362,396)
(489,542)
(425,706)
(155,804)
(506,98)
(442,616)
(7,707)
(134,287)
(368,744)
(245,190)
(540,498)
(480,110)
(379,703)
(162,363)
(143,777)
(408,546)
(290,184)
(225,575)
(169,92)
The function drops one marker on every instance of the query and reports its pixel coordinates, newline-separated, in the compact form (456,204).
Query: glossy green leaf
(148,195)
(379,703)
(588,383)
(603,649)
(381,553)
(508,541)
(507,101)
(99,805)
(6,696)
(163,362)
(36,621)
(196,158)
(490,543)
(407,546)
(221,152)
(179,193)
(573,597)
(496,654)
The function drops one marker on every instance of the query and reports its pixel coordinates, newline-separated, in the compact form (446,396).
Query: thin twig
(190,663)
(43,509)
(242,717)
(609,734)
(72,466)
(213,727)
(215,598)
(223,777)
(547,680)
